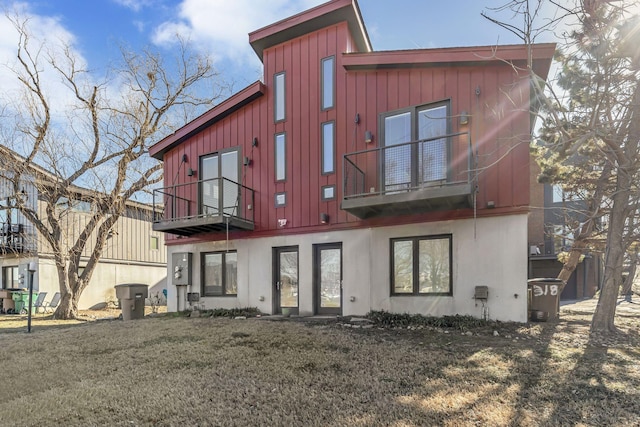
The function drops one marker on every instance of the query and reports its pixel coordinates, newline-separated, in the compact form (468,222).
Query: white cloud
(135,5)
(222,26)
(47,39)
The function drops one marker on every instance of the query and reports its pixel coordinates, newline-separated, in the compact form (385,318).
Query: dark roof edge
(471,54)
(321,16)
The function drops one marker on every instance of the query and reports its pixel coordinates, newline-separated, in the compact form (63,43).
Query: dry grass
(204,371)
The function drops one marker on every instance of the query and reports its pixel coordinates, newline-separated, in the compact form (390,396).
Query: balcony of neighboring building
(205,206)
(402,178)
(12,238)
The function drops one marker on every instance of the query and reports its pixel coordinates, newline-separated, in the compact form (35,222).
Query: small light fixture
(184,158)
(246,161)
(324,218)
(190,172)
(254,143)
(464,118)
(368,136)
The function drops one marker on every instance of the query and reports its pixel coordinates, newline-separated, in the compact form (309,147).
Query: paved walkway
(589,305)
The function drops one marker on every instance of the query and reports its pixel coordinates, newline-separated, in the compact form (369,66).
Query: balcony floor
(449,197)
(203,224)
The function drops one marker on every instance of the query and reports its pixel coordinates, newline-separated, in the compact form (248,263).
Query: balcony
(12,239)
(409,178)
(213,205)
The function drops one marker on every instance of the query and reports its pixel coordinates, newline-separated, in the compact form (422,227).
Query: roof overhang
(322,16)
(217,113)
(541,54)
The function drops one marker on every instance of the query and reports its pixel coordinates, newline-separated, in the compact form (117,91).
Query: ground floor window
(219,274)
(421,266)
(10,277)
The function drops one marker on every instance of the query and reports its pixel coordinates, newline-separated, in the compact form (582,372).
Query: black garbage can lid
(551,280)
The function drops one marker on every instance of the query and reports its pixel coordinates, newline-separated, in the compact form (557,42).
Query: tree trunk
(68,307)
(577,250)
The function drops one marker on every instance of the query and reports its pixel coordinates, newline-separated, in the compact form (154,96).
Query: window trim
(415,240)
(203,256)
(157,243)
(323,188)
(413,111)
(284,156)
(324,107)
(333,147)
(275,96)
(275,199)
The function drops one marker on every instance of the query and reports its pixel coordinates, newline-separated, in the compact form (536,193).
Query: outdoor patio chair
(51,305)
(39,301)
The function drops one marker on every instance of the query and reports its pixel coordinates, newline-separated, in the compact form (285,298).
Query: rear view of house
(353,180)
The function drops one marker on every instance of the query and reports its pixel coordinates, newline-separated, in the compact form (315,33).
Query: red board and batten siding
(495,124)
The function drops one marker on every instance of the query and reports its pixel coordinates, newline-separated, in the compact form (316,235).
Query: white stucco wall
(104,278)
(486,252)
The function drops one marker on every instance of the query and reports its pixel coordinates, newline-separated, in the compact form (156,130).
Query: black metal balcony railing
(203,206)
(412,177)
(12,238)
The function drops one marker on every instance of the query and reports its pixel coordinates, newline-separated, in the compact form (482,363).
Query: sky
(96,29)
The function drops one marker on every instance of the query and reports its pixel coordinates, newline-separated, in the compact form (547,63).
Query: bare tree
(96,138)
(591,134)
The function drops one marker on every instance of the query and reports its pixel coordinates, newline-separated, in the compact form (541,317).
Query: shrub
(385,319)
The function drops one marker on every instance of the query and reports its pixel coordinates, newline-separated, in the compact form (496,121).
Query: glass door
(209,185)
(327,278)
(285,280)
(432,157)
(397,160)
(219,183)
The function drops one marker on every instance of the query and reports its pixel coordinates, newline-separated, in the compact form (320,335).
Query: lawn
(171,370)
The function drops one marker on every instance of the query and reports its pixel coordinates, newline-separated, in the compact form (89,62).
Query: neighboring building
(134,253)
(353,180)
(554,216)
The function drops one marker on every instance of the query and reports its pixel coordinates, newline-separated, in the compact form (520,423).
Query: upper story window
(328,148)
(421,266)
(421,156)
(281,157)
(279,101)
(328,82)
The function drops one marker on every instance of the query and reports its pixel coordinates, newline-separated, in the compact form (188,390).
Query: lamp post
(32,269)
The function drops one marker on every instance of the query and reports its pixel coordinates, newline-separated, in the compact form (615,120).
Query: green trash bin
(21,301)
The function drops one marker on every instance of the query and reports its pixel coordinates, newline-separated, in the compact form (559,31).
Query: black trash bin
(132,297)
(544,298)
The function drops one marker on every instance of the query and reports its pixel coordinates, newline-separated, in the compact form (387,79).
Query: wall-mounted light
(246,161)
(254,143)
(184,158)
(324,218)
(464,118)
(368,137)
(190,172)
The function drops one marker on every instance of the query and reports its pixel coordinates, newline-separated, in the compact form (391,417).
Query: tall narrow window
(281,155)
(328,148)
(328,82)
(279,104)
